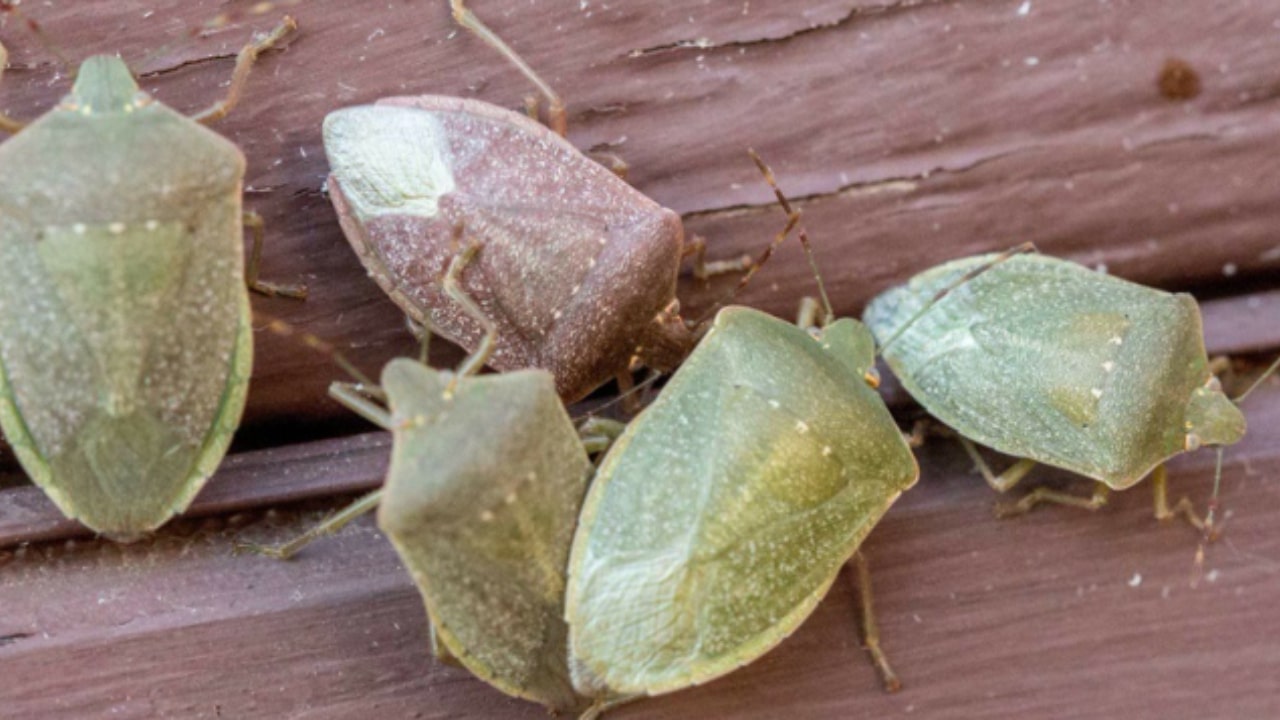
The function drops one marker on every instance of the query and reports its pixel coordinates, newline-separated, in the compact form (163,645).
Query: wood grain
(910,132)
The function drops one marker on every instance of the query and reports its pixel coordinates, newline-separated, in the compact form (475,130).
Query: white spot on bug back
(802,427)
(774,404)
(389,160)
(486,516)
(1095,392)
(826,451)
(78,228)
(1108,366)
(1024,9)
(115,228)
(1116,340)
(151,225)
(1136,580)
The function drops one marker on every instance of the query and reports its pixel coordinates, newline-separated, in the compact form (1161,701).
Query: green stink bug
(125,341)
(1050,362)
(481,499)
(723,513)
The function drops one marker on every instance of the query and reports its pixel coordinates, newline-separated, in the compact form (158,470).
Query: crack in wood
(854,14)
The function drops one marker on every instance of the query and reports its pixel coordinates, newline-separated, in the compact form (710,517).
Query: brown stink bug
(576,269)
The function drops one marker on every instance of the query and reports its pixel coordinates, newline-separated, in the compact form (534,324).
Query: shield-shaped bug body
(576,269)
(125,340)
(480,502)
(722,514)
(1047,361)
(486,480)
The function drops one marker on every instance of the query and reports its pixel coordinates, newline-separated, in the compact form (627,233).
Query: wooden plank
(914,131)
(251,479)
(1057,614)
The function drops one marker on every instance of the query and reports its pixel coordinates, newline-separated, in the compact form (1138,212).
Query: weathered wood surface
(913,132)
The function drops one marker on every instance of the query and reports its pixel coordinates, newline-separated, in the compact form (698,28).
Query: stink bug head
(104,85)
(1212,417)
(852,343)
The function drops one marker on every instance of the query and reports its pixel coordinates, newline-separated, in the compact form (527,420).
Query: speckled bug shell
(124,319)
(576,267)
(722,515)
(1044,359)
(480,501)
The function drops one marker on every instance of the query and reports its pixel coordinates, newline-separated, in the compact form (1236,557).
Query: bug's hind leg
(867,618)
(329,526)
(1160,494)
(1015,472)
(1005,480)
(1043,494)
(253,221)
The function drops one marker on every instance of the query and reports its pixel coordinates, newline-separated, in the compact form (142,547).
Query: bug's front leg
(870,630)
(8,124)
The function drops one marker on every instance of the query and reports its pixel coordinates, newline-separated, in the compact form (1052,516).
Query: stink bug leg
(557,118)
(253,221)
(7,124)
(240,75)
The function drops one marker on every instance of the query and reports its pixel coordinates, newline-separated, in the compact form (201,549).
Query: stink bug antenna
(1022,249)
(555,106)
(1257,383)
(1211,530)
(765,170)
(315,342)
(654,376)
(793,219)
